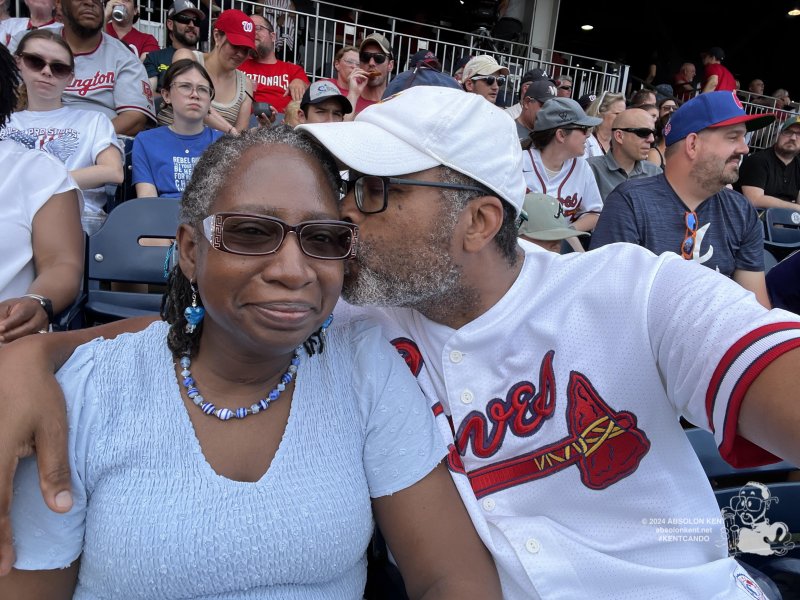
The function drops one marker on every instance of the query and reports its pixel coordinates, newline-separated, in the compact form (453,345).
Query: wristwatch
(45,303)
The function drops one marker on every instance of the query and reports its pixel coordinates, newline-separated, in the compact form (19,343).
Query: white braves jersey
(565,397)
(110,79)
(574,185)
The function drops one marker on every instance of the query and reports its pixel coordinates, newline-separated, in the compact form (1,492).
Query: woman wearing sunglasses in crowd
(240,446)
(606,106)
(83,140)
(41,241)
(233,40)
(164,158)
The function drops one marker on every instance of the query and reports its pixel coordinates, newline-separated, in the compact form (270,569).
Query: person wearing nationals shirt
(557,381)
(688,209)
(553,162)
(109,78)
(277,82)
(140,43)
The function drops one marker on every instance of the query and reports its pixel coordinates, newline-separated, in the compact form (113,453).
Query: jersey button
(467,397)
(532,546)
(488,504)
(456,356)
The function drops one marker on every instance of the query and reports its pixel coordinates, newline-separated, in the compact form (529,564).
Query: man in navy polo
(689,209)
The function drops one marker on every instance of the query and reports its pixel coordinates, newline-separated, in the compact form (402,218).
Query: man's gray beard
(430,283)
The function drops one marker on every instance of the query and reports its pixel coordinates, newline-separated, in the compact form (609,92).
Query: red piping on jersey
(541,179)
(74,54)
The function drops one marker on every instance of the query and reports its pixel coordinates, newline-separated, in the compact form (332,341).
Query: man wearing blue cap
(689,209)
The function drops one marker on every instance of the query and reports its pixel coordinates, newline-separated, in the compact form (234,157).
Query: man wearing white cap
(482,75)
(557,381)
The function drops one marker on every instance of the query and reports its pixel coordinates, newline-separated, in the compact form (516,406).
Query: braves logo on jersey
(605,445)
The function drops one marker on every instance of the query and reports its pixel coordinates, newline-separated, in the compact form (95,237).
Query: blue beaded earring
(324,327)
(194,314)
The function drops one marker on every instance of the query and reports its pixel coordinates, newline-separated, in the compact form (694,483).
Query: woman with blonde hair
(606,106)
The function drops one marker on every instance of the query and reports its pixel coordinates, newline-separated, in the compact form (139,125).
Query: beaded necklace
(223,414)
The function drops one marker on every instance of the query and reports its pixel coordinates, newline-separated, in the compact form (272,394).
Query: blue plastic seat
(115,254)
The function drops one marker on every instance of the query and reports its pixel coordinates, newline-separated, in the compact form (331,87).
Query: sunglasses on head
(642,132)
(378,57)
(490,79)
(186,20)
(37,63)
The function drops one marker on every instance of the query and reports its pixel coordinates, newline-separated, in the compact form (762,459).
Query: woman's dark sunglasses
(186,20)
(379,57)
(37,63)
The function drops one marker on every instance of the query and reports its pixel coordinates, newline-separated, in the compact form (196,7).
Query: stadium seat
(782,231)
(116,258)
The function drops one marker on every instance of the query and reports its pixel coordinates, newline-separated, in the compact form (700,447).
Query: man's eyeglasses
(490,79)
(186,20)
(642,132)
(259,235)
(352,63)
(378,57)
(687,247)
(37,63)
(372,191)
(566,88)
(186,88)
(263,28)
(790,134)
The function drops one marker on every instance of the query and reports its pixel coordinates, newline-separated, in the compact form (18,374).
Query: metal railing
(316,36)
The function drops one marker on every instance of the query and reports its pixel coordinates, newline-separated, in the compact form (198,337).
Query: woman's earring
(324,327)
(194,314)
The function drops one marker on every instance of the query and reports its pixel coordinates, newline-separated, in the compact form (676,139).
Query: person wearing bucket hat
(770,178)
(553,163)
(563,377)
(544,223)
(688,209)
(234,39)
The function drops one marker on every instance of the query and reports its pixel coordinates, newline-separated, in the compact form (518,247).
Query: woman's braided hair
(208,178)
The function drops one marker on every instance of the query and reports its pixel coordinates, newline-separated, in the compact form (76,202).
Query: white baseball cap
(425,127)
(483,65)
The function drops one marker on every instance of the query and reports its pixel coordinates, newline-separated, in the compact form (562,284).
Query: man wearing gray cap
(322,102)
(369,80)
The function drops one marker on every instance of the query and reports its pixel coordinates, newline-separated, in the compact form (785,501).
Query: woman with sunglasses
(233,41)
(241,446)
(164,158)
(606,106)
(83,140)
(41,241)
(555,165)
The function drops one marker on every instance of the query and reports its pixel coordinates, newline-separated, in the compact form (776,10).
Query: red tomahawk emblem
(605,445)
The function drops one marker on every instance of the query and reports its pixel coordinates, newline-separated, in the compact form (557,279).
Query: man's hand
(297,88)
(20,317)
(357,80)
(27,425)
